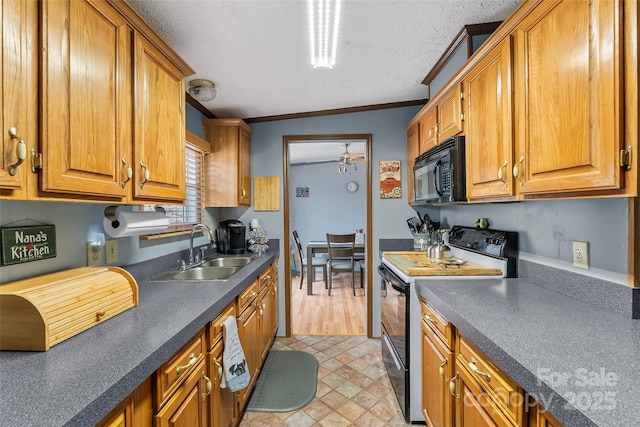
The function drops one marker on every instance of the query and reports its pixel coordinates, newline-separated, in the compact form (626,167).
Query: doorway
(287,241)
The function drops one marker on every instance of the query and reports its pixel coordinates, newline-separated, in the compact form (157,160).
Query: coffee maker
(230,236)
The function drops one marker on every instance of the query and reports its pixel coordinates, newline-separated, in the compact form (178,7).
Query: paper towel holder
(110,214)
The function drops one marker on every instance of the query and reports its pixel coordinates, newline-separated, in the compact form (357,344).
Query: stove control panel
(502,244)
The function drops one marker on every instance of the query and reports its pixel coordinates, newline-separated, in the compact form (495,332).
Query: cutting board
(419,264)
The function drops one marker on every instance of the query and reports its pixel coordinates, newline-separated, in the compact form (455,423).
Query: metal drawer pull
(129,172)
(219,366)
(475,369)
(441,370)
(429,319)
(452,386)
(146,174)
(21,151)
(204,377)
(192,361)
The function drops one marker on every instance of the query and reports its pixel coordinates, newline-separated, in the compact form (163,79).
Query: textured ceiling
(257,52)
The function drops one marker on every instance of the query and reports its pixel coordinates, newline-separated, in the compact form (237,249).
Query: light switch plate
(111,251)
(93,257)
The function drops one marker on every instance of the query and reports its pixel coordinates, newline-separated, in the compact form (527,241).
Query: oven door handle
(397,362)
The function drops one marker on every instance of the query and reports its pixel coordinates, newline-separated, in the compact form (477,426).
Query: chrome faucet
(193,230)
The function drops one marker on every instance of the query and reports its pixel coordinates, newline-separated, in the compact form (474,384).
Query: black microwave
(439,173)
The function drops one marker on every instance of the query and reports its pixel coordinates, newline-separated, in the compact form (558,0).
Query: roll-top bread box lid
(42,311)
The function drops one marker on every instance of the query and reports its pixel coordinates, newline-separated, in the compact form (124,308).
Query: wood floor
(320,314)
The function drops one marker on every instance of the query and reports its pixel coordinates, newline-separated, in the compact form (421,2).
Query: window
(183,217)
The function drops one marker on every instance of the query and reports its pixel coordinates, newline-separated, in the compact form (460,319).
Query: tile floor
(353,386)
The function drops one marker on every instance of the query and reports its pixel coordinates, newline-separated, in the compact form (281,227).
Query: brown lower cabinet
(185,390)
(463,387)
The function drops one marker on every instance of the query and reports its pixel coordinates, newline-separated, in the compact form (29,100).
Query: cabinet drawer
(214,330)
(247,296)
(505,391)
(438,323)
(265,277)
(170,375)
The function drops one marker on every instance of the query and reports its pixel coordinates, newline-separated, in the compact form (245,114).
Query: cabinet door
(568,97)
(473,407)
(223,411)
(17,91)
(188,405)
(85,97)
(268,320)
(489,141)
(437,365)
(244,168)
(249,332)
(450,113)
(159,127)
(429,129)
(413,150)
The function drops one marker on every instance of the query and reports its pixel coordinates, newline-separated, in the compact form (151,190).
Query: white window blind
(184,217)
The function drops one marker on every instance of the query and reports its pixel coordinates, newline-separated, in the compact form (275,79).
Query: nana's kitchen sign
(28,243)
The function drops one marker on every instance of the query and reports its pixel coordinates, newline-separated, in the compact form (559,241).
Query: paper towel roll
(136,223)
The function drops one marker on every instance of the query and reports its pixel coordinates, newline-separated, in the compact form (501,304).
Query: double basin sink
(219,269)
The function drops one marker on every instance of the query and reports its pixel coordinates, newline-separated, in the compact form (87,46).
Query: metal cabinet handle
(441,369)
(192,361)
(474,368)
(452,386)
(146,174)
(208,381)
(21,151)
(129,172)
(501,174)
(516,170)
(219,367)
(430,319)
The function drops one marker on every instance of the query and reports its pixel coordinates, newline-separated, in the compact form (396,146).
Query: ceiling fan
(347,159)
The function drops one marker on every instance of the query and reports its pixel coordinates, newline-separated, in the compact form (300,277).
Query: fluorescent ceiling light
(324,21)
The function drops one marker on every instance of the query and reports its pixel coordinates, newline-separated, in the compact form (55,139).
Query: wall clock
(352,186)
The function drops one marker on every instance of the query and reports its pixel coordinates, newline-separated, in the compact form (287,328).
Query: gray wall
(330,208)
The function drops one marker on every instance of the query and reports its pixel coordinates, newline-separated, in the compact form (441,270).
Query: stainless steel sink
(228,262)
(198,273)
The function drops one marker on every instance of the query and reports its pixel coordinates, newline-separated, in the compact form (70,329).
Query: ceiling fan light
(202,90)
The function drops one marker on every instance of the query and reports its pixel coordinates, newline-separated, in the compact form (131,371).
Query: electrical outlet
(581,254)
(111,251)
(93,257)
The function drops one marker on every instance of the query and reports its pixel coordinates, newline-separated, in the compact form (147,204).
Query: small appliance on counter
(230,236)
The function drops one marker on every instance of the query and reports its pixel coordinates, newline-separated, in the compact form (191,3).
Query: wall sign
(28,243)
(390,180)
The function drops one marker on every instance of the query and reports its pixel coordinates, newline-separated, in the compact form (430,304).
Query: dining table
(321,247)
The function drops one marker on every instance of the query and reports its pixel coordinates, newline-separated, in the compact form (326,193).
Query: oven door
(395,335)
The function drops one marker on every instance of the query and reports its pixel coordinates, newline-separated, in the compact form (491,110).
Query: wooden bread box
(42,311)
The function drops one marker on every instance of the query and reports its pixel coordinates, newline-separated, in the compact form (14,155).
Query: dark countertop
(579,361)
(80,380)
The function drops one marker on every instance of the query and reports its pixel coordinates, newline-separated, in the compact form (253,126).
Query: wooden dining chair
(341,249)
(316,261)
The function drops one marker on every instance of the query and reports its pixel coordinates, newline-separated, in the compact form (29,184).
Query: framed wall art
(390,179)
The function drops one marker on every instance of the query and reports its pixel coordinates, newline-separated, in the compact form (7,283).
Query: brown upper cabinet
(551,103)
(489,137)
(441,118)
(111,102)
(228,166)
(568,98)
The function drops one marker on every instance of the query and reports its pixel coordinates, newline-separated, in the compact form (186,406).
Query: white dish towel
(236,372)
